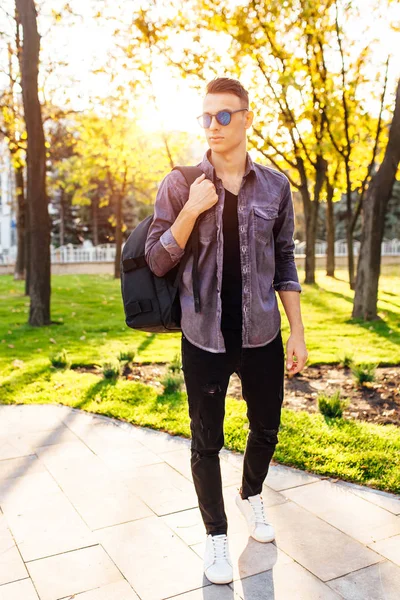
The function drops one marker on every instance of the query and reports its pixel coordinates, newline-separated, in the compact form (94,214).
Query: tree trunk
(330,233)
(19,271)
(311,235)
(350,254)
(349,231)
(27,244)
(39,221)
(311,217)
(118,236)
(374,211)
(95,211)
(62,217)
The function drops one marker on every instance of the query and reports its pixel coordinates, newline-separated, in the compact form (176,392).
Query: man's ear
(249,118)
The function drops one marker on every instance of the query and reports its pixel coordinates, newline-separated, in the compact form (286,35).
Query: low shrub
(172,383)
(127,355)
(331,406)
(363,372)
(346,361)
(110,369)
(60,359)
(175,365)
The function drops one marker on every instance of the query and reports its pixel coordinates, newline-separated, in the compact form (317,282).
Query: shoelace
(220,545)
(259,514)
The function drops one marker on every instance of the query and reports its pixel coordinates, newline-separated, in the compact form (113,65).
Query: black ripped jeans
(207,374)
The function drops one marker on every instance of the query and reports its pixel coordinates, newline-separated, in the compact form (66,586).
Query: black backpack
(151,303)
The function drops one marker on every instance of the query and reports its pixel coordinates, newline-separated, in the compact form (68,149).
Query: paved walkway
(96,509)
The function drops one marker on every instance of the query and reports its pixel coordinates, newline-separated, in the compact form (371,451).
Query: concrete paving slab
(389,548)
(123,459)
(316,545)
(376,582)
(152,558)
(157,441)
(337,505)
(12,566)
(109,507)
(28,442)
(121,590)
(390,502)
(65,574)
(18,590)
(99,509)
(280,477)
(284,582)
(29,418)
(30,490)
(162,488)
(50,529)
(111,438)
(16,467)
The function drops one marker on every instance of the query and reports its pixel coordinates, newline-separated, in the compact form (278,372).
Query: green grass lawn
(90,326)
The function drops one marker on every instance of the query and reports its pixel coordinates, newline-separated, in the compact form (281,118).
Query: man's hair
(227,85)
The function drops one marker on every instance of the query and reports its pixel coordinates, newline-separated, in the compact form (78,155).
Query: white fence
(388,248)
(69,254)
(106,252)
(73,254)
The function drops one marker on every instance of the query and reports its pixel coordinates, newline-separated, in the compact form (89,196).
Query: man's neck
(229,166)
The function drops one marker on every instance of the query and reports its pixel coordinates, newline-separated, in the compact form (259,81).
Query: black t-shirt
(231,292)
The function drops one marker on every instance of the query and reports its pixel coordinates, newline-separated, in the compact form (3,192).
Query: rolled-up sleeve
(286,277)
(162,252)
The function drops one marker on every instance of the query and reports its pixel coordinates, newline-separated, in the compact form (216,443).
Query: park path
(97,509)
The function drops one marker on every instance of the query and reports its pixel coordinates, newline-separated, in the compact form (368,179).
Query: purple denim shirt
(266,227)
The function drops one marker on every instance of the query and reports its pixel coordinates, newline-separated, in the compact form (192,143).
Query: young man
(246,254)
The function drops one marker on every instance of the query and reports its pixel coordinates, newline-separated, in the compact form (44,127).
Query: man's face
(227,137)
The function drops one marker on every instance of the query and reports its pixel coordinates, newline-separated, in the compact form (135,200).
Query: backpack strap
(191,174)
(133,263)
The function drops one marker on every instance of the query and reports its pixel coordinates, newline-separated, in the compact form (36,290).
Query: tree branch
(269,142)
(374,151)
(277,165)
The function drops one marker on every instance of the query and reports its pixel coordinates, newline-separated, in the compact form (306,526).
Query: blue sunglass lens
(223,117)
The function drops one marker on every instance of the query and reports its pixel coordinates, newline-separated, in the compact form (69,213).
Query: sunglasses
(223,117)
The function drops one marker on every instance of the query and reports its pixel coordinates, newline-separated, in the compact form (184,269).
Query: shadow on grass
(389,293)
(20,379)
(97,389)
(100,390)
(146,342)
(174,400)
(325,304)
(379,326)
(388,301)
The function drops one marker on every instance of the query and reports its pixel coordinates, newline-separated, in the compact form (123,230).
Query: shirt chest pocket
(264,218)
(207,225)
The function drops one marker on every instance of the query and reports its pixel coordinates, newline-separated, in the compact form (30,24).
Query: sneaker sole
(219,581)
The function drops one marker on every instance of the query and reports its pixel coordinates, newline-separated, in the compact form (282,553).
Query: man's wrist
(190,211)
(297,329)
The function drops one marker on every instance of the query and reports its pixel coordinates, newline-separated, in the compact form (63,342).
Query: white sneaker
(254,511)
(217,561)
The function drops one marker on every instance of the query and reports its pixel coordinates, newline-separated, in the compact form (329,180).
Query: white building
(8,224)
